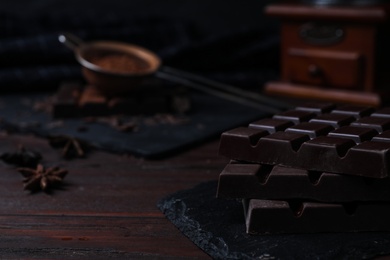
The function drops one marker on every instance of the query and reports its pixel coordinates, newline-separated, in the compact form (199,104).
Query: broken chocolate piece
(75,100)
(65,103)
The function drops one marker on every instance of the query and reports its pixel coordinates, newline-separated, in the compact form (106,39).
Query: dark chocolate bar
(256,181)
(347,140)
(274,216)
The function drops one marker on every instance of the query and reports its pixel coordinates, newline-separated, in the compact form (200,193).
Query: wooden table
(106,209)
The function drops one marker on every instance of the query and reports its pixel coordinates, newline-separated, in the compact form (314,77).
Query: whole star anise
(71,147)
(42,178)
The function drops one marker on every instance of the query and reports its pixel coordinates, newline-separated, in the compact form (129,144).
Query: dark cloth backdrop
(31,58)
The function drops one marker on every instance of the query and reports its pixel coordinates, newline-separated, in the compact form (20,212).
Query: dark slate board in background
(209,117)
(217,226)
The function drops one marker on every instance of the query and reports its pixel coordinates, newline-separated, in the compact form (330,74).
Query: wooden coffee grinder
(337,51)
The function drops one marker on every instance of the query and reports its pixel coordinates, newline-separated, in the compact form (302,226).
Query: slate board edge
(190,228)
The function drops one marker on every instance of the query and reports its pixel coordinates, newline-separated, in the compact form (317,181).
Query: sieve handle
(71,41)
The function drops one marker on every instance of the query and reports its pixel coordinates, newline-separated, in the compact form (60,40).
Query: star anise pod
(22,157)
(71,147)
(42,178)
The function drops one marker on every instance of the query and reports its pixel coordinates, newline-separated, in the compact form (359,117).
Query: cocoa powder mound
(120,63)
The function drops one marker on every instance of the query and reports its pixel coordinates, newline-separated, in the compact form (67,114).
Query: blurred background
(231,41)
(209,16)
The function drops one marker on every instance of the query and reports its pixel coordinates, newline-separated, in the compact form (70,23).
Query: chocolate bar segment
(383,112)
(383,137)
(311,129)
(271,125)
(355,111)
(357,134)
(335,120)
(378,123)
(274,216)
(256,181)
(317,108)
(344,140)
(295,116)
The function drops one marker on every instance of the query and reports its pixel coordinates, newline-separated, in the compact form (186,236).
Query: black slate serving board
(217,226)
(208,118)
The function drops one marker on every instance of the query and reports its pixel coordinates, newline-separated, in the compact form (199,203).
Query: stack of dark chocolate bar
(316,168)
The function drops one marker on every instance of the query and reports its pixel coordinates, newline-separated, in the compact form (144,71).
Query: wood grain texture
(300,12)
(106,207)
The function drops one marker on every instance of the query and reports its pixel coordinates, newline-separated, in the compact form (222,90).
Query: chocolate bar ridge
(273,216)
(256,181)
(346,140)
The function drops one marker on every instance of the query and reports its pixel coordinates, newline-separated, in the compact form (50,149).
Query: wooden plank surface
(106,208)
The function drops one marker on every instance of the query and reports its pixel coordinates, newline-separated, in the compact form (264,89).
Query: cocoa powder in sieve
(120,63)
